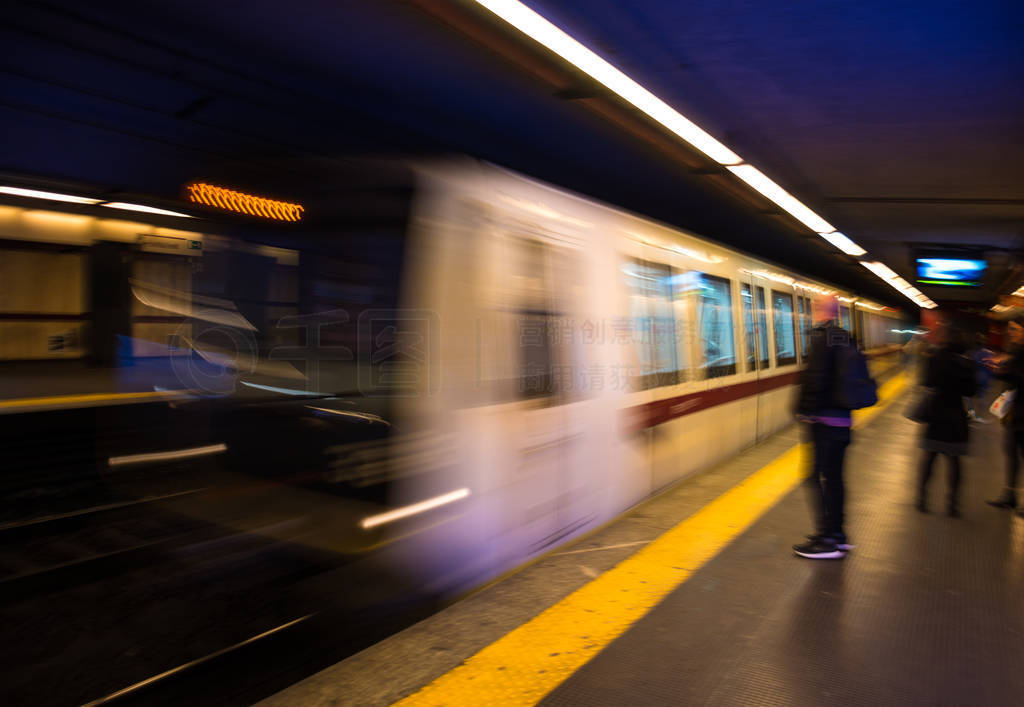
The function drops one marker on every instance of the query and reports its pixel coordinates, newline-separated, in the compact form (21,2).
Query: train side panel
(587,358)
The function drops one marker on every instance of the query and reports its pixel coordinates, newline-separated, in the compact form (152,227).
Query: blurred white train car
(578,359)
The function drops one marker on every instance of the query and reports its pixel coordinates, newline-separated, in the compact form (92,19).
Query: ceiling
(900,123)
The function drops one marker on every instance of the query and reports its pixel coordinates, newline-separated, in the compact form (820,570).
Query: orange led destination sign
(239,202)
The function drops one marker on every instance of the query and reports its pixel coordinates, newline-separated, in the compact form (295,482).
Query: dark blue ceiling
(898,122)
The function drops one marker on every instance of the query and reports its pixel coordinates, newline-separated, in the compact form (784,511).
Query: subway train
(472,370)
(569,359)
(332,432)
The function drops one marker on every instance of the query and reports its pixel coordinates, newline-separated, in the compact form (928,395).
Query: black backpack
(854,386)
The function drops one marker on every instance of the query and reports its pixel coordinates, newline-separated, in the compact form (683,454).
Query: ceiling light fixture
(547,34)
(905,288)
(782,198)
(51,196)
(843,243)
(541,30)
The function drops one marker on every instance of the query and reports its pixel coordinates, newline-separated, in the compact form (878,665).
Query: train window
(747,304)
(762,328)
(652,327)
(783,319)
(844,317)
(534,320)
(803,305)
(714,325)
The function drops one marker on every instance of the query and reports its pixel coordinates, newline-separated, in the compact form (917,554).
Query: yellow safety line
(88,398)
(532,660)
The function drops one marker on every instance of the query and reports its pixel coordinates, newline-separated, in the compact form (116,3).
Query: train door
(756,354)
(650,362)
(545,485)
(711,433)
(660,303)
(754,295)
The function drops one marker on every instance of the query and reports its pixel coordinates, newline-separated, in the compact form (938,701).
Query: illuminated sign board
(950,271)
(239,202)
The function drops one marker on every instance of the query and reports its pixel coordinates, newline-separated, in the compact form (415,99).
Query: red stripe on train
(656,412)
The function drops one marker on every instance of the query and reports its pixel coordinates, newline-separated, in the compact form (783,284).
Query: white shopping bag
(1001,405)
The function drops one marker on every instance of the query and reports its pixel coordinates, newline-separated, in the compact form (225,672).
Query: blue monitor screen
(962,272)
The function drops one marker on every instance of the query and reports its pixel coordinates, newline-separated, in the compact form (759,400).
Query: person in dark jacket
(828,427)
(952,377)
(1010,369)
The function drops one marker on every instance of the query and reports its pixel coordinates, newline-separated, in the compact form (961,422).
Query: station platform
(29,386)
(695,596)
(34,386)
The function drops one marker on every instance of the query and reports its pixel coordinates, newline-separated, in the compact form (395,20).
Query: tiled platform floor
(927,610)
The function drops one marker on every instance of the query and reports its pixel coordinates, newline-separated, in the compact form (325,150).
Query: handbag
(922,406)
(1002,405)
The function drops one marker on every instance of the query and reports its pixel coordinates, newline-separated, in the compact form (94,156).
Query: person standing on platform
(827,424)
(1010,369)
(951,376)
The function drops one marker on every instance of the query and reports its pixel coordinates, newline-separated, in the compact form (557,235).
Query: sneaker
(842,542)
(820,548)
(840,539)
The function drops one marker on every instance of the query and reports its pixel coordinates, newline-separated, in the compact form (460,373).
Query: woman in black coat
(951,375)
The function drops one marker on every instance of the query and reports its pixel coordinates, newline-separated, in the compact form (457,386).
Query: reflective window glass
(762,328)
(652,323)
(533,318)
(844,317)
(803,304)
(747,304)
(785,335)
(714,325)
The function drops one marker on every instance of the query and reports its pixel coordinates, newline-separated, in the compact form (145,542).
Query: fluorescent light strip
(843,243)
(125,206)
(541,30)
(168,456)
(786,201)
(881,269)
(51,196)
(905,288)
(414,509)
(547,34)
